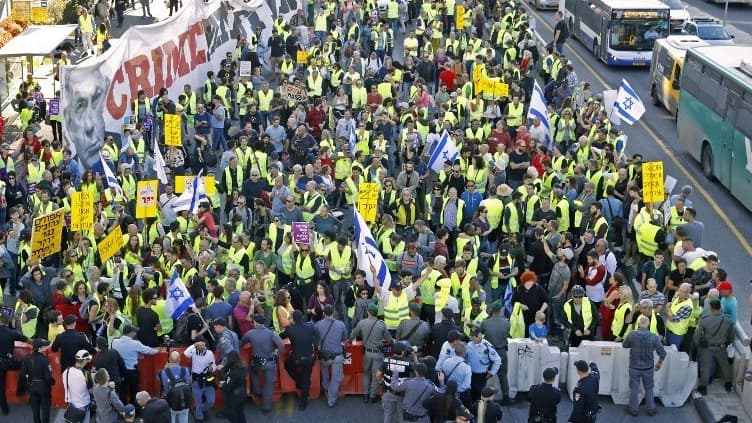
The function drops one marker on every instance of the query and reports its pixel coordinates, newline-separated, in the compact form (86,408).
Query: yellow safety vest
(618,323)
(396,310)
(514,220)
(460,211)
(517,322)
(265,100)
(304,268)
(514,118)
(428,287)
(474,322)
(587,311)
(29,328)
(679,327)
(653,324)
(646,239)
(341,265)
(275,318)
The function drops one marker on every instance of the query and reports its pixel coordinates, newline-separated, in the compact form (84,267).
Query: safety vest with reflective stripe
(304,268)
(396,310)
(646,239)
(587,311)
(679,327)
(341,266)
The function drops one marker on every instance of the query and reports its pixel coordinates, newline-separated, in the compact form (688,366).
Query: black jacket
(301,337)
(113,362)
(8,337)
(35,375)
(156,411)
(439,335)
(543,399)
(69,343)
(493,412)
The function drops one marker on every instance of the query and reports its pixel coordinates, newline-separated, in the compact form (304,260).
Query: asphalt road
(352,410)
(728,224)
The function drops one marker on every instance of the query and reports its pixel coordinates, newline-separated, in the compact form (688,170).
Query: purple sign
(146,124)
(300,233)
(53,107)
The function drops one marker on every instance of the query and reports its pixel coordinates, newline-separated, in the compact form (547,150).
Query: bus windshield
(637,34)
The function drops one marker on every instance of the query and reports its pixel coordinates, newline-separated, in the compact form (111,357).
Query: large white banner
(98,94)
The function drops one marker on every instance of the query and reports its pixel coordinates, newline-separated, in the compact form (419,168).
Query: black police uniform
(69,343)
(394,368)
(544,399)
(299,363)
(37,374)
(8,337)
(585,397)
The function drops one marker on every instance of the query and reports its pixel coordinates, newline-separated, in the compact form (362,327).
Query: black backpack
(178,393)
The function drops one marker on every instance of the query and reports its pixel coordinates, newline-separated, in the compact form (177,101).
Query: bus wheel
(654,95)
(707,161)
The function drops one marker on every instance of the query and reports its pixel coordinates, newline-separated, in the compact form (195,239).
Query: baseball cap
(69,320)
(496,306)
(39,343)
(129,410)
(550,373)
(83,355)
(476,301)
(725,286)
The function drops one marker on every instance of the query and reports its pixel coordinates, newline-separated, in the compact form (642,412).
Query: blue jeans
(203,399)
(674,339)
(218,136)
(179,416)
(331,379)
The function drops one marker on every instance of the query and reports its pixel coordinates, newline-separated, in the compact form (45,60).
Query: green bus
(714,119)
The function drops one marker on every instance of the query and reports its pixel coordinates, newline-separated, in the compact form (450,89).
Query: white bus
(619,32)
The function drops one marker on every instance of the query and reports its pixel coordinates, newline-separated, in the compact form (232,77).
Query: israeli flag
(369,255)
(192,196)
(178,298)
(110,177)
(353,140)
(159,164)
(539,111)
(445,151)
(628,105)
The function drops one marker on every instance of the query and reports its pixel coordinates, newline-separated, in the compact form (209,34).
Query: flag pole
(211,334)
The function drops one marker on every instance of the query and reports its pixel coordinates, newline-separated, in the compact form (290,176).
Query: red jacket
(600,274)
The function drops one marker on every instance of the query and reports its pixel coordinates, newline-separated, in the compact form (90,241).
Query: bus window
(677,73)
(744,117)
(666,64)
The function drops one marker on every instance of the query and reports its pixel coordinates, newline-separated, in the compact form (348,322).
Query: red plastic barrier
(149,367)
(20,351)
(287,383)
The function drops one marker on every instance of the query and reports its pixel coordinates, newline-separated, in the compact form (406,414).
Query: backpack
(181,328)
(178,393)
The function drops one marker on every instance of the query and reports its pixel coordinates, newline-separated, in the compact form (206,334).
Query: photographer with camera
(202,373)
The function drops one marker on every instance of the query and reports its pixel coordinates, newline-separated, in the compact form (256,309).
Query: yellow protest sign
(111,244)
(500,89)
(477,74)
(459,12)
(183,181)
(46,235)
(172,129)
(21,9)
(146,199)
(301,57)
(652,182)
(82,211)
(39,15)
(368,197)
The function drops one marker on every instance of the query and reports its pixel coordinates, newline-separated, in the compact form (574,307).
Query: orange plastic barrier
(287,383)
(150,366)
(20,351)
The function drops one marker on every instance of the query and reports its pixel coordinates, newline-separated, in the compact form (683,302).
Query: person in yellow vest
(26,315)
(433,271)
(646,308)
(620,326)
(340,262)
(650,237)
(306,271)
(514,115)
(512,218)
(679,314)
(396,304)
(86,26)
(473,316)
(581,317)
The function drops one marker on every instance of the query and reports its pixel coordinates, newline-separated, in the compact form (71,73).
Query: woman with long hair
(620,323)
(610,303)
(80,292)
(444,406)
(318,301)
(133,302)
(282,315)
(70,262)
(232,382)
(132,251)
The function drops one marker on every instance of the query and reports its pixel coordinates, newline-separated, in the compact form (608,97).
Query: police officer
(484,362)
(713,334)
(372,331)
(227,340)
(265,346)
(585,397)
(8,337)
(37,374)
(69,343)
(415,390)
(456,368)
(330,335)
(544,398)
(393,368)
(496,331)
(202,377)
(300,361)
